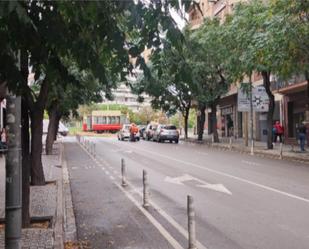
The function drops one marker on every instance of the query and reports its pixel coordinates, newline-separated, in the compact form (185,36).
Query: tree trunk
(186,117)
(214,121)
(25,144)
(201,122)
(25,164)
(37,172)
(50,138)
(271,107)
(58,117)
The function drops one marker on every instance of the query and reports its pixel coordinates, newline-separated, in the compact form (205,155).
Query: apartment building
(124,96)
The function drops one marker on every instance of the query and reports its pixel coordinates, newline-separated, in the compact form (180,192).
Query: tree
(209,70)
(169,82)
(258,44)
(95,35)
(65,99)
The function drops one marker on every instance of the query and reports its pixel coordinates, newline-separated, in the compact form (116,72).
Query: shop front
(295,109)
(228,118)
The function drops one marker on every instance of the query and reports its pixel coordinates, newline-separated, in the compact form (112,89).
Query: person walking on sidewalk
(278,129)
(302,136)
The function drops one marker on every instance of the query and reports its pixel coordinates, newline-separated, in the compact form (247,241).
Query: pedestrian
(3,144)
(302,130)
(133,132)
(278,130)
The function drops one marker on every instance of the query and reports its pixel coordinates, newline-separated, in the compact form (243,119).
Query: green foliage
(192,118)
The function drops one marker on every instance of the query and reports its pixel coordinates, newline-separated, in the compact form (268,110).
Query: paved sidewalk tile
(33,239)
(43,203)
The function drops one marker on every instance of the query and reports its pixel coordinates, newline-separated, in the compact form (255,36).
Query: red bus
(103,121)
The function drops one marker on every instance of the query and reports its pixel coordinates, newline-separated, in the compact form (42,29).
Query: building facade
(124,96)
(291,97)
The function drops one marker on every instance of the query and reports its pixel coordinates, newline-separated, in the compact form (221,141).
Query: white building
(124,96)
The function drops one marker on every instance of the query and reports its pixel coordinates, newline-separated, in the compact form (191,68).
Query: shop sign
(260,100)
(226,110)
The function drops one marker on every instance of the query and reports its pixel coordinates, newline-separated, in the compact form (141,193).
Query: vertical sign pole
(13,193)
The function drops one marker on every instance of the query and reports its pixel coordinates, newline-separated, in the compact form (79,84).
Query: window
(112,120)
(170,127)
(95,120)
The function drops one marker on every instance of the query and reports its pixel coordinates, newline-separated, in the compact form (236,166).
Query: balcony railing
(278,84)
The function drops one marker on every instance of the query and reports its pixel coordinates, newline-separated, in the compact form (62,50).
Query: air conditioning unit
(213,1)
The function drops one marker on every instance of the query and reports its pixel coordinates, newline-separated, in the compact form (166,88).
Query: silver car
(149,131)
(166,132)
(124,133)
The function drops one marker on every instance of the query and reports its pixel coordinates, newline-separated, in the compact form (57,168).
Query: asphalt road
(240,201)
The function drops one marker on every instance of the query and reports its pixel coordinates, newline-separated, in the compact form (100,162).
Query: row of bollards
(87,144)
(230,146)
(146,204)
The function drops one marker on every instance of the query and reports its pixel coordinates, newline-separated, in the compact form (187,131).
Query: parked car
(148,133)
(124,133)
(166,132)
(62,129)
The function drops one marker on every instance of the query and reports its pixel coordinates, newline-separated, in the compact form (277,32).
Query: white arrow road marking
(179,180)
(216,187)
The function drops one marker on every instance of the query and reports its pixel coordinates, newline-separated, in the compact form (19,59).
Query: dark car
(166,132)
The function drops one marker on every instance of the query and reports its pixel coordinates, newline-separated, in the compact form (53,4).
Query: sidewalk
(43,204)
(289,152)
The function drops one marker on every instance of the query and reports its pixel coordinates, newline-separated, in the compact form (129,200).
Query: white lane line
(155,223)
(228,175)
(171,220)
(203,153)
(250,163)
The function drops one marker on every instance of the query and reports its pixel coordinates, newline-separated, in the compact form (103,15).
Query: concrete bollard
(191,223)
(145,189)
(123,173)
(280,151)
(230,143)
(252,148)
(94,150)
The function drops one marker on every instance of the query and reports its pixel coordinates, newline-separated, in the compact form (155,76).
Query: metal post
(280,152)
(94,150)
(230,143)
(191,223)
(13,196)
(123,173)
(145,189)
(251,116)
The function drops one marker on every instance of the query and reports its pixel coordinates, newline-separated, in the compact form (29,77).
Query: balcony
(278,84)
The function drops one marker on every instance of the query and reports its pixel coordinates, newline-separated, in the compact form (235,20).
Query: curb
(58,225)
(70,231)
(258,153)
